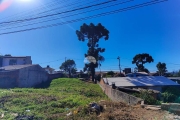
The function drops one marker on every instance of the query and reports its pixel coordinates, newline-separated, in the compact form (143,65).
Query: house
(14,60)
(146,82)
(22,76)
(49,70)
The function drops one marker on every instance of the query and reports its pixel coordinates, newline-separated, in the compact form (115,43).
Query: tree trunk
(69,73)
(93,74)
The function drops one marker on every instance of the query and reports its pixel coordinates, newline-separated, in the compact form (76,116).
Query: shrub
(171,94)
(148,99)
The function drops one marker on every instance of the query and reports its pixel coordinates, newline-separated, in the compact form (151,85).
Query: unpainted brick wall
(119,96)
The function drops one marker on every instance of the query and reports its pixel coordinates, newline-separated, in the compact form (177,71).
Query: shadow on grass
(44,84)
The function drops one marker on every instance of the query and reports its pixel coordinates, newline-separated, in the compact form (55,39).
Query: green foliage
(161,68)
(168,97)
(50,103)
(140,60)
(93,34)
(171,94)
(147,97)
(108,75)
(111,73)
(69,66)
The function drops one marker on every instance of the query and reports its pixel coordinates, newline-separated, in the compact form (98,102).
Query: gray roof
(139,81)
(15,67)
(175,78)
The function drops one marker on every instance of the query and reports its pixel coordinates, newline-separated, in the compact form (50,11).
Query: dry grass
(119,111)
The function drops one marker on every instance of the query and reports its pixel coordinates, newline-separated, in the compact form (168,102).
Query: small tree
(140,60)
(68,66)
(161,68)
(111,73)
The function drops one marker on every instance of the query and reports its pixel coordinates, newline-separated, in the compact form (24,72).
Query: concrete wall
(31,76)
(28,60)
(25,77)
(9,79)
(119,96)
(55,76)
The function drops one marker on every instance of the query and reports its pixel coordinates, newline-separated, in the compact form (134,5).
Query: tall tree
(161,68)
(140,60)
(68,66)
(93,34)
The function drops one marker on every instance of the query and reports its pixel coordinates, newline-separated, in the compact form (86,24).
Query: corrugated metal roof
(15,67)
(177,78)
(139,81)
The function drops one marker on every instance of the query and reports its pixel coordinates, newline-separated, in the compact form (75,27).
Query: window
(12,62)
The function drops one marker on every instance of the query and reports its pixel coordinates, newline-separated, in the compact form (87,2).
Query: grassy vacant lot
(51,103)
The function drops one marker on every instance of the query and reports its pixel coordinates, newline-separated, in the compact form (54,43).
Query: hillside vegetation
(51,103)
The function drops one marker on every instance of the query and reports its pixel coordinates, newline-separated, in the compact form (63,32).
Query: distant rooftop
(15,56)
(137,74)
(140,81)
(15,67)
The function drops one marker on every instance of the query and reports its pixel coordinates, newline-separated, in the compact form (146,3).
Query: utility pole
(119,65)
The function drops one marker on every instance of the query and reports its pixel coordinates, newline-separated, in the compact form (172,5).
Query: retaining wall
(119,96)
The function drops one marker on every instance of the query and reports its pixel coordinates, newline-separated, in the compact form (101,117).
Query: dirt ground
(121,111)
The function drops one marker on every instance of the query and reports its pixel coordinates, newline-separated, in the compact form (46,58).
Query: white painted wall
(49,72)
(20,60)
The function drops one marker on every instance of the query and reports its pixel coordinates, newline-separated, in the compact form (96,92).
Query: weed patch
(62,96)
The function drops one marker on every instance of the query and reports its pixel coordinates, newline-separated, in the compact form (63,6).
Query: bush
(171,94)
(148,99)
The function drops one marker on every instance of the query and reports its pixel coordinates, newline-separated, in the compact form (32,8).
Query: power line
(102,65)
(36,9)
(90,17)
(70,5)
(50,15)
(75,3)
(68,15)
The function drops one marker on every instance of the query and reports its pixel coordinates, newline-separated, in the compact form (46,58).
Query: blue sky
(152,29)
